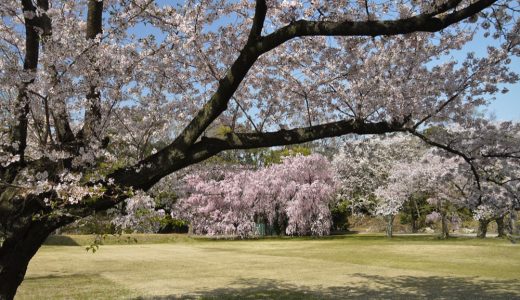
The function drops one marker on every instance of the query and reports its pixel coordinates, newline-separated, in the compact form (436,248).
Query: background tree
(414,211)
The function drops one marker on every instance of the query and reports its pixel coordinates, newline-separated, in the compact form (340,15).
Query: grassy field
(352,266)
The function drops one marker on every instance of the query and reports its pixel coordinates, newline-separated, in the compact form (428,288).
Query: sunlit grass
(355,266)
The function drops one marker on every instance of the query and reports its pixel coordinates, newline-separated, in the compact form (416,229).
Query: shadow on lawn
(377,287)
(60,240)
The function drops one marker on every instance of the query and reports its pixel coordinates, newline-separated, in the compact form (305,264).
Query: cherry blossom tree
(377,175)
(427,174)
(364,165)
(400,185)
(297,193)
(490,150)
(384,173)
(79,85)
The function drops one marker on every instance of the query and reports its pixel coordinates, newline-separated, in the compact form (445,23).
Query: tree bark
(389,226)
(482,228)
(414,226)
(93,111)
(25,223)
(501,229)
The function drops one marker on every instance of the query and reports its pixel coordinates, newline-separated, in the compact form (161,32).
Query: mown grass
(350,266)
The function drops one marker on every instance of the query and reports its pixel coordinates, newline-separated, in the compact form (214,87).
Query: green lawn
(353,266)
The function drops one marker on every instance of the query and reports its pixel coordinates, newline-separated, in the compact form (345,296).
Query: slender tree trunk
(482,228)
(445,230)
(415,217)
(512,221)
(501,230)
(414,225)
(389,225)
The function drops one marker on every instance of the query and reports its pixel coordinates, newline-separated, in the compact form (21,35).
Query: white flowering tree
(364,165)
(490,150)
(77,81)
(384,173)
(401,183)
(140,214)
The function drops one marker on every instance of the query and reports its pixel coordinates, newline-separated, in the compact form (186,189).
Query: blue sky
(506,106)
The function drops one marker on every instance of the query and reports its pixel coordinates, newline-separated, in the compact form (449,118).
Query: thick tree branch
(59,113)
(152,169)
(185,151)
(18,133)
(427,22)
(430,22)
(227,85)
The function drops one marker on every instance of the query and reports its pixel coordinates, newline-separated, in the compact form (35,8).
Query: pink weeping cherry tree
(88,88)
(299,193)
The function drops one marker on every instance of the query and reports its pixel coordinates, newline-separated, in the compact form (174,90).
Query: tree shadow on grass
(71,286)
(60,240)
(375,287)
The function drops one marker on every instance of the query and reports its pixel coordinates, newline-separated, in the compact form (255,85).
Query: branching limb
(469,160)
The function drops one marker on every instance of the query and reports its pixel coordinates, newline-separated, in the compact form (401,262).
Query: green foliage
(171,225)
(276,156)
(414,211)
(223,130)
(340,213)
(94,246)
(98,223)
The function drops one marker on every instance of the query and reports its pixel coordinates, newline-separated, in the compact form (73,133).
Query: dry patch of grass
(357,266)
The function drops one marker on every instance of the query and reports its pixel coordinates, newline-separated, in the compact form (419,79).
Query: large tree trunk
(482,228)
(15,254)
(501,229)
(389,225)
(23,229)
